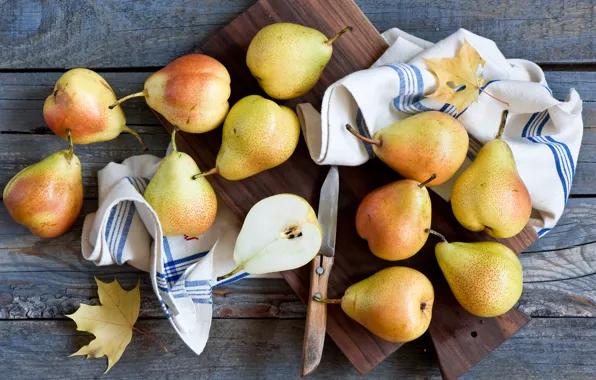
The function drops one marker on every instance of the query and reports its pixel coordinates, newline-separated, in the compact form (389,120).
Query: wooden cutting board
(460,339)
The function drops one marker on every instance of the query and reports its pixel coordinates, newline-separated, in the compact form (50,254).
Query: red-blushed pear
(80,103)
(394,218)
(47,196)
(191,93)
(183,204)
(426,143)
(490,195)
(394,304)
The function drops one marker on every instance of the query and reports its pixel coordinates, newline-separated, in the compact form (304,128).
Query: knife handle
(316,315)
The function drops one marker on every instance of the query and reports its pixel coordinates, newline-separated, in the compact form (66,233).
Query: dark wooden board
(299,175)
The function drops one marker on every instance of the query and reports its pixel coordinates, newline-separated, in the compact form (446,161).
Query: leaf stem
(151,337)
(494,97)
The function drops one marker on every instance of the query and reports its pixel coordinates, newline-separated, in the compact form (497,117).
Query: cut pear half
(279,233)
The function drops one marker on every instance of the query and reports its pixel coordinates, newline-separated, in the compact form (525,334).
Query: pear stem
(208,172)
(122,100)
(151,337)
(327,300)
(433,232)
(344,30)
(362,138)
(136,135)
(432,177)
(70,145)
(503,122)
(174,148)
(229,274)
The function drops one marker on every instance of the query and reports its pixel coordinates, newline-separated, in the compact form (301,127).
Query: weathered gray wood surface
(258,328)
(59,34)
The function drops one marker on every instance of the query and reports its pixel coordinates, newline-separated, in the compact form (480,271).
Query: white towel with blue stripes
(544,133)
(183,268)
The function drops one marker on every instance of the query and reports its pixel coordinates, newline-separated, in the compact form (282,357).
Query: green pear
(288,59)
(490,195)
(486,277)
(47,196)
(420,145)
(80,103)
(394,218)
(394,304)
(280,232)
(257,135)
(184,204)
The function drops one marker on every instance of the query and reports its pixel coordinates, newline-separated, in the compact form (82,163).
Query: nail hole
(481,321)
(474,334)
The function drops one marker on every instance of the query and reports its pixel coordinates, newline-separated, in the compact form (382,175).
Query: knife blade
(316,315)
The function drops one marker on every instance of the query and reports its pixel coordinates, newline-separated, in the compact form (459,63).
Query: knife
(316,315)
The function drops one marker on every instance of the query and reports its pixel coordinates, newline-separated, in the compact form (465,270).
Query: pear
(485,277)
(47,196)
(423,144)
(257,135)
(394,218)
(80,103)
(288,59)
(394,304)
(183,204)
(191,93)
(490,195)
(280,233)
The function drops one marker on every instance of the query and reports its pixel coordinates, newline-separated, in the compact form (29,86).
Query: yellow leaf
(456,72)
(111,323)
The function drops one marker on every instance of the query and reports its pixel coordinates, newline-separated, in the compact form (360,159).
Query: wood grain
(299,175)
(316,314)
(549,348)
(102,34)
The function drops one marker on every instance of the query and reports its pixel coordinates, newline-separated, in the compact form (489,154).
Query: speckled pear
(47,196)
(80,102)
(485,277)
(191,93)
(183,204)
(288,59)
(394,218)
(257,135)
(394,304)
(490,195)
(423,144)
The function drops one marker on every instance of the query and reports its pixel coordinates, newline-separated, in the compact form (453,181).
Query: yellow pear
(257,135)
(423,144)
(394,218)
(394,304)
(183,204)
(490,195)
(80,103)
(47,197)
(288,59)
(486,277)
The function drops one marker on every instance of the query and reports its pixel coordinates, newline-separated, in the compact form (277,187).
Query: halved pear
(279,233)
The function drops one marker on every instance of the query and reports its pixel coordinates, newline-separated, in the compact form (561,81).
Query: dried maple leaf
(111,323)
(459,73)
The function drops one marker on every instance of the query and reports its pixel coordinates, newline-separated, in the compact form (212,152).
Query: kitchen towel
(183,268)
(544,134)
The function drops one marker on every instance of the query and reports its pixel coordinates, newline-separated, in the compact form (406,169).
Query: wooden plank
(22,96)
(63,34)
(549,348)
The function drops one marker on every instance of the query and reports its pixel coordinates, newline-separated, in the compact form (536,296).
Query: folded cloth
(544,134)
(183,268)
